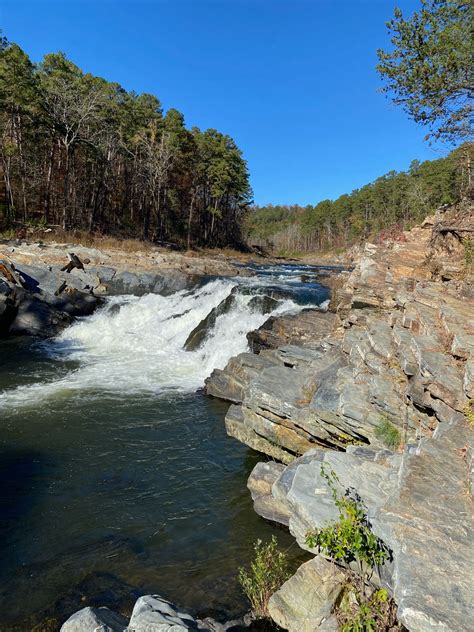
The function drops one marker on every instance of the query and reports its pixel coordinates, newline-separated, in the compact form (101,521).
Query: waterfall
(136,345)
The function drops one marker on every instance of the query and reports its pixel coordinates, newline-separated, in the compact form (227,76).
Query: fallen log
(8,271)
(74,262)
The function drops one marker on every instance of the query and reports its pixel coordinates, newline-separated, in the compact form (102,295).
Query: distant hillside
(391,203)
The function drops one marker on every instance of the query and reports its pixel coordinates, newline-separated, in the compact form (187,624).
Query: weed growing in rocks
(388,434)
(468,252)
(367,615)
(469,411)
(350,538)
(266,574)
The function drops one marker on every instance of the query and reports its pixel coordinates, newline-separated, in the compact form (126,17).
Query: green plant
(388,434)
(469,411)
(468,252)
(266,574)
(368,615)
(350,538)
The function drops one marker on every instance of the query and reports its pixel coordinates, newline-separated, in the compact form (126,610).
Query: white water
(135,345)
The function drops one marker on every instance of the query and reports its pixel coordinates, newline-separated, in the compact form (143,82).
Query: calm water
(116,471)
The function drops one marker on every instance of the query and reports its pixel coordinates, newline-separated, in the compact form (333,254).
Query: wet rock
(139,283)
(198,335)
(308,598)
(8,308)
(37,317)
(95,620)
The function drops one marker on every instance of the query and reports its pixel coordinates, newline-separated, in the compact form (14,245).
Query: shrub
(468,252)
(350,538)
(266,574)
(376,613)
(388,434)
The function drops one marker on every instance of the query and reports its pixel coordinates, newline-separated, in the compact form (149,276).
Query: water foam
(135,345)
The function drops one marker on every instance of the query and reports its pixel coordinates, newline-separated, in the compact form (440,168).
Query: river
(116,471)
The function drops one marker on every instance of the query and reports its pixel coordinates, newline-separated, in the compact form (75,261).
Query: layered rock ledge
(395,371)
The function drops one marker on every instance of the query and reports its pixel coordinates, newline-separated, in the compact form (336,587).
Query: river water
(115,469)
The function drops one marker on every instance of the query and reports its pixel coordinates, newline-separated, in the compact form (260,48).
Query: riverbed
(117,475)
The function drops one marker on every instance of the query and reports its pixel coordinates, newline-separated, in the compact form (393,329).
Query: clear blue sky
(293,82)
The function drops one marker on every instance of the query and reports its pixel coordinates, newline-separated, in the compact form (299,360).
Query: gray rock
(139,283)
(308,598)
(417,503)
(198,335)
(36,317)
(152,613)
(229,384)
(95,620)
(260,484)
(304,329)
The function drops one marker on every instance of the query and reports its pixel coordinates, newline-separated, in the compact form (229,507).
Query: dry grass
(92,240)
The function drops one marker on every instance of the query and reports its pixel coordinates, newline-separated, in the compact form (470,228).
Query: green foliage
(266,574)
(429,67)
(369,615)
(350,538)
(469,411)
(82,153)
(395,201)
(388,434)
(468,252)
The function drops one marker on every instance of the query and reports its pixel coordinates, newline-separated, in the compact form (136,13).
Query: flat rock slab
(303,329)
(307,599)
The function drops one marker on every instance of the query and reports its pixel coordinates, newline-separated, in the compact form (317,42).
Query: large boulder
(152,613)
(304,329)
(308,598)
(95,620)
(42,301)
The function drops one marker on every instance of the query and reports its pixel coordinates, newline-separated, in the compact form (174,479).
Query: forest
(80,153)
(393,202)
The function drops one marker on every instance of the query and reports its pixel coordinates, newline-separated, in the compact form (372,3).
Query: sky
(292,81)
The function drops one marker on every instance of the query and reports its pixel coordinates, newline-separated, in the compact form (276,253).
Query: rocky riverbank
(384,399)
(39,297)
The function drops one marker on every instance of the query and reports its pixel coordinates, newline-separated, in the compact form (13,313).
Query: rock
(139,283)
(198,335)
(8,308)
(468,381)
(308,598)
(330,625)
(151,613)
(304,329)
(95,620)
(260,485)
(416,503)
(228,384)
(36,317)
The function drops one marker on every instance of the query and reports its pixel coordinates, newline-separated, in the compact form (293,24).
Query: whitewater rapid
(135,345)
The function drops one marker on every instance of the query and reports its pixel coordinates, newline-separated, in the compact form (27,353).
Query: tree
(83,153)
(429,70)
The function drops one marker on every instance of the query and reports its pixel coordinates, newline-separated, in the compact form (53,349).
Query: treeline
(394,201)
(79,152)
